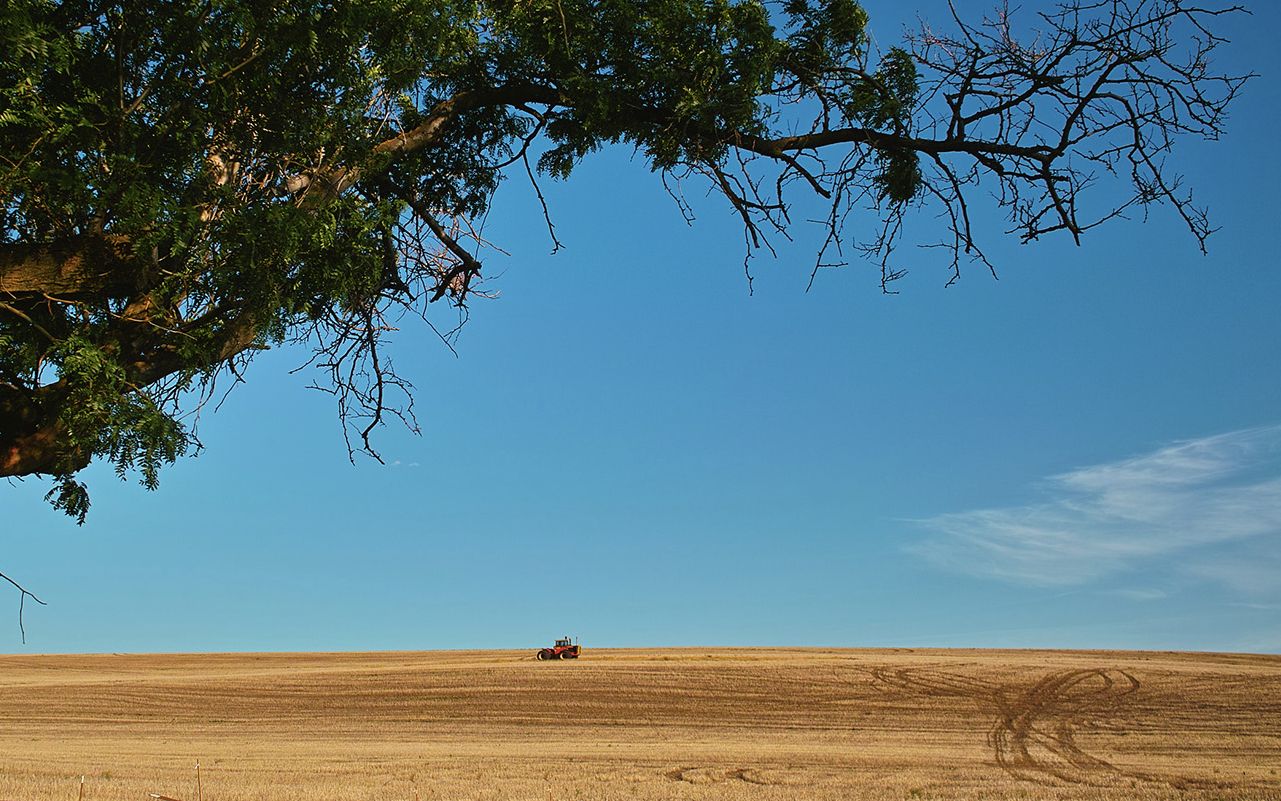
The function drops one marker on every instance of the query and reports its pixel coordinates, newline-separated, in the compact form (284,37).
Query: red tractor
(563,649)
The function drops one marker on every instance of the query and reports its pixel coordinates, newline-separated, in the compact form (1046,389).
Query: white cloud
(1141,594)
(1109,517)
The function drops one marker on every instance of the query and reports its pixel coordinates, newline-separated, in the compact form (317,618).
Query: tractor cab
(563,642)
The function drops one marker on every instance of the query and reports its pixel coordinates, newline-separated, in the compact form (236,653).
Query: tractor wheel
(541,656)
(563,655)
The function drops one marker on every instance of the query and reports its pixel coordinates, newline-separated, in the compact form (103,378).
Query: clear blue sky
(632,449)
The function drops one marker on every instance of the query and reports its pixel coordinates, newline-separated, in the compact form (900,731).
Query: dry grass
(739,724)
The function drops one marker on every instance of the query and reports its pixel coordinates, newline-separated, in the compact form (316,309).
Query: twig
(22,599)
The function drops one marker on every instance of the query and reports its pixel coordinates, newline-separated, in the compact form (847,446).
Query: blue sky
(629,447)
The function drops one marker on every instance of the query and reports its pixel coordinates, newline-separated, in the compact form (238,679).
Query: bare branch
(22,598)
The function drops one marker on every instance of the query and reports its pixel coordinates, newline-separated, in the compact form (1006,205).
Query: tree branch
(82,266)
(25,594)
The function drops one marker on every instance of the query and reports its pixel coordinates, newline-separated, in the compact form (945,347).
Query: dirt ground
(643,724)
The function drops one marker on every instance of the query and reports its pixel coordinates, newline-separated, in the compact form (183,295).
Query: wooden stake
(199,795)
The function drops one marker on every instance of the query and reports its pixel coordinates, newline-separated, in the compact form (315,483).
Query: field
(737,724)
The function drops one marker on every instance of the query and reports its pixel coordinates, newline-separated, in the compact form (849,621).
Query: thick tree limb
(94,266)
(321,186)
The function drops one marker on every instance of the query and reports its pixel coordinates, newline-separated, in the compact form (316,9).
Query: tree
(183,183)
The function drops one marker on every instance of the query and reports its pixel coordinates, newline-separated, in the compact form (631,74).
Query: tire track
(1033,734)
(712,775)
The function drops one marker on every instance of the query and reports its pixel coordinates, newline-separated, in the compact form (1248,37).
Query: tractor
(563,649)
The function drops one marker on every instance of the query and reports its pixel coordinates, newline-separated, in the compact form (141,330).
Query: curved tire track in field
(1033,735)
(697,775)
(1035,731)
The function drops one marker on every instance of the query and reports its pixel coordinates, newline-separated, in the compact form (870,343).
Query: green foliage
(662,75)
(887,101)
(69,496)
(827,34)
(103,414)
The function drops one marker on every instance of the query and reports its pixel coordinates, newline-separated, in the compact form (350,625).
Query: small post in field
(199,795)
(81,797)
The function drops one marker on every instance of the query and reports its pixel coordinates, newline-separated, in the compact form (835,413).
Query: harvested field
(640,724)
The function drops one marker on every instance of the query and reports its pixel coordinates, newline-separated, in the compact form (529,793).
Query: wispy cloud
(1106,518)
(1141,594)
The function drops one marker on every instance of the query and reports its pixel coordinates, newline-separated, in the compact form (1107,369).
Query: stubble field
(739,724)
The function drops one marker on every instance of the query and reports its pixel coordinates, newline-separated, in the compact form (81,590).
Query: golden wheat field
(736,724)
